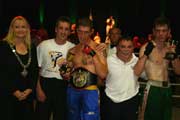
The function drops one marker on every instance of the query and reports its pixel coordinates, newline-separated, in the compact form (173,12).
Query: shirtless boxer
(157,97)
(89,63)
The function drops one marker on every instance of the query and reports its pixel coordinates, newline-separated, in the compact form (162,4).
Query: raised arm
(143,56)
(100,61)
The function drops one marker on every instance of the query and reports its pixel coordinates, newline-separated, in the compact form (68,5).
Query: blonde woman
(18,71)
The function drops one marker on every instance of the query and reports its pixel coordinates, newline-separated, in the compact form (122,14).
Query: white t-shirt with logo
(50,56)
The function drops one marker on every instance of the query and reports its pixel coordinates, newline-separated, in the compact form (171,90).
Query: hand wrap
(148,48)
(89,51)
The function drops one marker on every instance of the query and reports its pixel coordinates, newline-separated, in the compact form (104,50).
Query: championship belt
(82,78)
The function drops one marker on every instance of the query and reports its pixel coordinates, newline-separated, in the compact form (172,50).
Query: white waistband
(163,84)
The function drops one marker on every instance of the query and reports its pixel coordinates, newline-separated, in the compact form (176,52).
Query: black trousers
(55,102)
(102,101)
(126,110)
(13,109)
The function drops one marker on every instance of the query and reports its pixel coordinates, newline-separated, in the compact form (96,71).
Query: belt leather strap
(82,78)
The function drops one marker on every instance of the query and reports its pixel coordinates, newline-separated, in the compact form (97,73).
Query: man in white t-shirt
(51,88)
(121,85)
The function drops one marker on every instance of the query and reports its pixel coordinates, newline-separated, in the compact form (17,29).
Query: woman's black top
(10,70)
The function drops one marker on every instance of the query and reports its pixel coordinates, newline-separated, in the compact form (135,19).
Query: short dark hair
(84,21)
(160,21)
(110,31)
(63,19)
(126,38)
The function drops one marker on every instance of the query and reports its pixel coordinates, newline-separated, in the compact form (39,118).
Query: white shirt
(111,51)
(121,82)
(50,56)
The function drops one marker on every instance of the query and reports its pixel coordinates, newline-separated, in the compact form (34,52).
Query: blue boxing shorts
(82,104)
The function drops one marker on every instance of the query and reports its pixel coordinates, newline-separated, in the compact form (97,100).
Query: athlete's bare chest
(82,58)
(157,56)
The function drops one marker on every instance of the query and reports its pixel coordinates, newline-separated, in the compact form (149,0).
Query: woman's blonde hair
(11,35)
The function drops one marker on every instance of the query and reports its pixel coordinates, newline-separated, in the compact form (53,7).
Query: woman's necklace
(25,66)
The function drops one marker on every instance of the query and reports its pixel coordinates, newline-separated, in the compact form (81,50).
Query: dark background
(134,17)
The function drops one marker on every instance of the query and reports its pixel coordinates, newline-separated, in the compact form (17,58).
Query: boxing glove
(148,48)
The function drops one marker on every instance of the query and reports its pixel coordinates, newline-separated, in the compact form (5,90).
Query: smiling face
(63,30)
(20,28)
(125,49)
